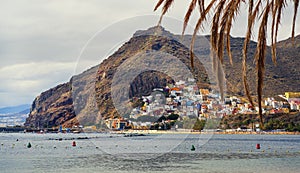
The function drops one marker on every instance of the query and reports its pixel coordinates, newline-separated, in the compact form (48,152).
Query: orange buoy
(257,146)
(74,144)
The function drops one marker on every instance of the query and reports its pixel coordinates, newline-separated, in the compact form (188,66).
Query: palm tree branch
(197,27)
(158,4)
(260,57)
(232,8)
(274,12)
(296,5)
(216,44)
(251,17)
(165,8)
(201,4)
(188,14)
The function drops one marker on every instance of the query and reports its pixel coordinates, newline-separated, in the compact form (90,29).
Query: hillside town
(179,105)
(187,101)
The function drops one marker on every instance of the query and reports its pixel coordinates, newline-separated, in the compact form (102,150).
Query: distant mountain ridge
(15,109)
(87,97)
(15,115)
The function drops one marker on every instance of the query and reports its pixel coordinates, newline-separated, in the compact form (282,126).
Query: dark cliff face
(52,107)
(148,61)
(65,104)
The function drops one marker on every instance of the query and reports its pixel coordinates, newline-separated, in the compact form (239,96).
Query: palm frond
(260,57)
(215,36)
(217,44)
(197,27)
(277,9)
(188,14)
(165,8)
(158,4)
(231,10)
(201,4)
(296,5)
(245,50)
(274,11)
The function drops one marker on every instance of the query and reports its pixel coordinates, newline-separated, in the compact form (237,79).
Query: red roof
(175,89)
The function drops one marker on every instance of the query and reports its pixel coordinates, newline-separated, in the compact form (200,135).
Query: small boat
(76,131)
(132,134)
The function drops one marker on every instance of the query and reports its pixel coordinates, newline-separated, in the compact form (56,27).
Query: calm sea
(108,153)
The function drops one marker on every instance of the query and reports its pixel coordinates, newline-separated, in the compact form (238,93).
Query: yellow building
(292,95)
(286,110)
(204,92)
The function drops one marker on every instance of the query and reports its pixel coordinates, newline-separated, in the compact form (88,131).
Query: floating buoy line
(257,148)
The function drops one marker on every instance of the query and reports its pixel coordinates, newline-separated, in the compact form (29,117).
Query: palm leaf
(158,4)
(296,5)
(260,57)
(188,14)
(201,6)
(197,27)
(245,50)
(165,8)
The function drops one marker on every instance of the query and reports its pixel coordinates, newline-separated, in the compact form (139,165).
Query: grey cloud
(48,36)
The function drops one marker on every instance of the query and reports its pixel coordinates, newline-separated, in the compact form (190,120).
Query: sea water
(106,153)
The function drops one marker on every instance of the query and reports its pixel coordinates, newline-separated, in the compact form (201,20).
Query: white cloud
(27,80)
(35,70)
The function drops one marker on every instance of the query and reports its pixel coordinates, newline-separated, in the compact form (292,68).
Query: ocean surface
(106,153)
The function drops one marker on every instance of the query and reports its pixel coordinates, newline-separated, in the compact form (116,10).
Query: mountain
(14,109)
(151,59)
(16,115)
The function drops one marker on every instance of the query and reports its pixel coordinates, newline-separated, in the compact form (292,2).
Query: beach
(188,131)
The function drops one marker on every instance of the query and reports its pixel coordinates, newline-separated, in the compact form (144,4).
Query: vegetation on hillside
(288,122)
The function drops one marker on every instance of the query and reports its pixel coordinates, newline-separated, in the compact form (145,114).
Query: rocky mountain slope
(151,59)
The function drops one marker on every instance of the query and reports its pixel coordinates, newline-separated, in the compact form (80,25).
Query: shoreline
(178,131)
(197,132)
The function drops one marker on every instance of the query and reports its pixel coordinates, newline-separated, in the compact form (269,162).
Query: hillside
(290,122)
(149,60)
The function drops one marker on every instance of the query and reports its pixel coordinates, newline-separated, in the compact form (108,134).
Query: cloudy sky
(44,42)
